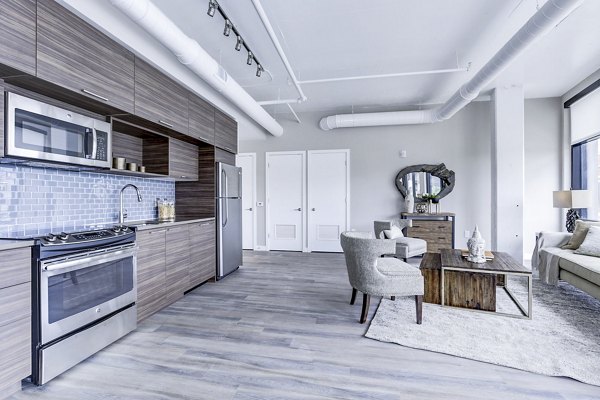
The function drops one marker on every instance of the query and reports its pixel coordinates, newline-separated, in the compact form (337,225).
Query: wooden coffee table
(502,264)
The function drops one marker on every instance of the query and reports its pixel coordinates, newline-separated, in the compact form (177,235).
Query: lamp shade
(572,199)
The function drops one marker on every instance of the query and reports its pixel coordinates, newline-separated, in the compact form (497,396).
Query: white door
(247,161)
(328,198)
(285,200)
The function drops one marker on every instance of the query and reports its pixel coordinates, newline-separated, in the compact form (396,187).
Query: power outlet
(467,234)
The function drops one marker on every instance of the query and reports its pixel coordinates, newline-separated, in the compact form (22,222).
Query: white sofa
(579,270)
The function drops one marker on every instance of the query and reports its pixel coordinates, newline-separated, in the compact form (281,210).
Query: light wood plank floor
(281,328)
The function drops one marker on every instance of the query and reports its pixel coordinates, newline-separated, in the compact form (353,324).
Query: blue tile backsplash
(34,201)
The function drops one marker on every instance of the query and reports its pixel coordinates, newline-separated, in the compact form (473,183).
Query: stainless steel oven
(43,132)
(85,290)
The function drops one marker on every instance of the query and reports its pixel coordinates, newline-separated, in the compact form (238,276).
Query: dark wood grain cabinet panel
(202,264)
(151,272)
(183,160)
(225,132)
(15,355)
(17,36)
(76,56)
(178,258)
(201,119)
(160,99)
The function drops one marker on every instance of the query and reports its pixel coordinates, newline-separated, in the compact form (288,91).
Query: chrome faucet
(122,213)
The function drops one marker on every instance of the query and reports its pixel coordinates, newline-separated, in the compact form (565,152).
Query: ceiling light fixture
(227,30)
(213,7)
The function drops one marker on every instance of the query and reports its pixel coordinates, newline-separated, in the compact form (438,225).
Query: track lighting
(212,7)
(227,30)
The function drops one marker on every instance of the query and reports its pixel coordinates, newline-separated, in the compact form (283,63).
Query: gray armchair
(374,275)
(406,247)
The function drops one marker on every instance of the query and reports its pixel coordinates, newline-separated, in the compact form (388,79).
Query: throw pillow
(591,243)
(393,233)
(581,230)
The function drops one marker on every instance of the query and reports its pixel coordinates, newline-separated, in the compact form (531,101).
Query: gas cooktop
(76,236)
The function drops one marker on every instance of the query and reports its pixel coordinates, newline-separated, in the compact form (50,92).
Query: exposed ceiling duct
(193,56)
(546,18)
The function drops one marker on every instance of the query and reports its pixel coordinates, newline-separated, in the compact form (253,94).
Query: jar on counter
(166,210)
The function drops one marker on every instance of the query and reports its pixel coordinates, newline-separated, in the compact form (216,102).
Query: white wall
(463,143)
(543,146)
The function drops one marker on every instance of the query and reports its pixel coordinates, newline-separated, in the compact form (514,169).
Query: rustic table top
(502,262)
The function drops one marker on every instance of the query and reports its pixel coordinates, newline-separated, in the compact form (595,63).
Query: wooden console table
(436,229)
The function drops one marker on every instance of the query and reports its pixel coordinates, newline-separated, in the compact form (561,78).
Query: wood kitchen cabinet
(15,319)
(202,264)
(226,135)
(160,99)
(178,259)
(201,119)
(183,160)
(17,37)
(74,55)
(151,272)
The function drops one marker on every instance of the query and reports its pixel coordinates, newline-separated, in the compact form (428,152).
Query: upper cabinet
(225,132)
(202,119)
(17,36)
(76,56)
(160,99)
(183,160)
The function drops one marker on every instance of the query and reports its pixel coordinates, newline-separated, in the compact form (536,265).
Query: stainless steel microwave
(42,132)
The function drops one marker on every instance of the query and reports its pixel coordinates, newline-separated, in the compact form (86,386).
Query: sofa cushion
(579,234)
(393,233)
(583,266)
(413,244)
(591,243)
(394,267)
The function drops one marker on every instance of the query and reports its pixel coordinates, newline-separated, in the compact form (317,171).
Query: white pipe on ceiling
(193,56)
(282,101)
(294,113)
(546,18)
(394,75)
(267,24)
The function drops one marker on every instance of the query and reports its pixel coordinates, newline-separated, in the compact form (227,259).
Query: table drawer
(430,236)
(432,226)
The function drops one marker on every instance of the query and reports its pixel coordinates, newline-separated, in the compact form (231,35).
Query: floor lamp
(573,200)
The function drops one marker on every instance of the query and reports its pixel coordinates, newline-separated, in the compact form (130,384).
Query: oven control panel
(84,237)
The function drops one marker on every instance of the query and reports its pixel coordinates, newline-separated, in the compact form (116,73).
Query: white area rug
(562,339)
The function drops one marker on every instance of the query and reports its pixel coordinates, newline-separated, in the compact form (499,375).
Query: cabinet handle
(183,176)
(165,123)
(94,95)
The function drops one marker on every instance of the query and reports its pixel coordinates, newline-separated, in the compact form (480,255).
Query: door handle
(313,209)
(249,209)
(297,209)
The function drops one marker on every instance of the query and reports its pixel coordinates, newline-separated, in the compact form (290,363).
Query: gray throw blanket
(547,254)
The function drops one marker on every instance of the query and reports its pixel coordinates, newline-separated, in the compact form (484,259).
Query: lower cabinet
(151,272)
(15,319)
(203,253)
(178,259)
(171,261)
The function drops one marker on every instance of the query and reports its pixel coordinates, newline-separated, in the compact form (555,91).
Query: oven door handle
(55,267)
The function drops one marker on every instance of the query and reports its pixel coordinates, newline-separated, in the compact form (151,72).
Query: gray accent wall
(463,143)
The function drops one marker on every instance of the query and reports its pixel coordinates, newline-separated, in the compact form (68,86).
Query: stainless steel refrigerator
(229,219)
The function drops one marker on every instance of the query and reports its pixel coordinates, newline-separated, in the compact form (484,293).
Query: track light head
(227,30)
(259,70)
(239,43)
(250,58)
(212,7)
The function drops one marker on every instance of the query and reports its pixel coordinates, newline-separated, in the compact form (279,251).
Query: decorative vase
(421,208)
(436,203)
(409,203)
(476,246)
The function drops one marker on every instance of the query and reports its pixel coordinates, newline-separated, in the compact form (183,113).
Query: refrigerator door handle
(239,193)
(223,183)
(226,207)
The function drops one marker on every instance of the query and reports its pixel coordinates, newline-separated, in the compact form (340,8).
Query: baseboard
(260,248)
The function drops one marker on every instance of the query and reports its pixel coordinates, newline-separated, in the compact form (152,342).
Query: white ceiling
(339,38)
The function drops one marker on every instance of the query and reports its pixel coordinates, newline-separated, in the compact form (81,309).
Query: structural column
(508,170)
